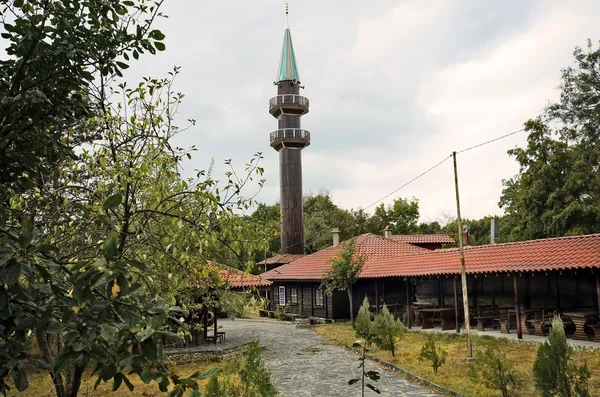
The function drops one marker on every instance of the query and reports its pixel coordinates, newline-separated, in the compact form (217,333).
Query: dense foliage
(244,377)
(554,372)
(343,272)
(557,190)
(100,235)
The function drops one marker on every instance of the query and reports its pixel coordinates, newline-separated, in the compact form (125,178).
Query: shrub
(281,311)
(213,389)
(435,355)
(245,377)
(553,372)
(364,326)
(492,369)
(236,304)
(387,330)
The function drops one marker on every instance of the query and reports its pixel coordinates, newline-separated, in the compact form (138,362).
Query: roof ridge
(473,247)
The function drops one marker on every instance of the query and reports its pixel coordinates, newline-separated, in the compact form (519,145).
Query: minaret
(289,140)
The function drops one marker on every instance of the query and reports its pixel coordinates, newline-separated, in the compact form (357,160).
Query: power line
(441,162)
(408,183)
(490,141)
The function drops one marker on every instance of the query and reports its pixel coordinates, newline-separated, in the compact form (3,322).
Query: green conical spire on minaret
(288,69)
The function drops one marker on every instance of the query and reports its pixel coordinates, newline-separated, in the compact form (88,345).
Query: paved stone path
(304,364)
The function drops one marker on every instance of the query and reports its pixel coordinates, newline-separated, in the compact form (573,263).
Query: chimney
(387,233)
(466,234)
(335,232)
(494,233)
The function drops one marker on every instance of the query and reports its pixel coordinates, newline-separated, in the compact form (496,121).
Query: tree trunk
(57,379)
(77,373)
(351,306)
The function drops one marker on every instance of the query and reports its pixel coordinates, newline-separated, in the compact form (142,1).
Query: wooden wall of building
(553,290)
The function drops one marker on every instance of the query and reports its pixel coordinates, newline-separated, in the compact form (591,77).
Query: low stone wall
(180,356)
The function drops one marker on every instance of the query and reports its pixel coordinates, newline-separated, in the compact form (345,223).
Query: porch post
(376,298)
(301,299)
(598,289)
(215,322)
(408,311)
(313,296)
(517,308)
(456,306)
(205,321)
(557,293)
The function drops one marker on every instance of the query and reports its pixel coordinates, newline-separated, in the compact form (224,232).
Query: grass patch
(454,374)
(40,384)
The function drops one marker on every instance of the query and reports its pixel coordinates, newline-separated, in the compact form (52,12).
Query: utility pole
(462,265)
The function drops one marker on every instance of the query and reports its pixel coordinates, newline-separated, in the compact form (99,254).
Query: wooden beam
(301,299)
(376,297)
(517,308)
(557,293)
(408,304)
(456,306)
(325,303)
(598,288)
(215,323)
(205,321)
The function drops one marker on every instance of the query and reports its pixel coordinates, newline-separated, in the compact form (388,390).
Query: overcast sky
(394,87)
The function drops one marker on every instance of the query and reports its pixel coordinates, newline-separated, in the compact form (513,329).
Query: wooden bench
(507,320)
(542,322)
(212,338)
(568,325)
(485,316)
(595,328)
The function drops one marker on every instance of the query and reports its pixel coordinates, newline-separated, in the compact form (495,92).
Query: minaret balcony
(288,104)
(290,138)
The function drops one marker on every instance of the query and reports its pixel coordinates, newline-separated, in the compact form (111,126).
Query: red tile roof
(238,279)
(312,267)
(423,238)
(528,256)
(281,258)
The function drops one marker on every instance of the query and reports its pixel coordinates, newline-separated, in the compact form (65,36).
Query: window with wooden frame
(294,296)
(319,297)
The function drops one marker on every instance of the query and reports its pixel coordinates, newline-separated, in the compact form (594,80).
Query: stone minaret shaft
(289,140)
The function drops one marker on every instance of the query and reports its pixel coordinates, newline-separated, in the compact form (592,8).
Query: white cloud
(394,87)
(469,102)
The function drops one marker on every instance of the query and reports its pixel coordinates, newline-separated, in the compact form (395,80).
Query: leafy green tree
(388,330)
(553,371)
(321,214)
(479,230)
(268,217)
(364,325)
(435,355)
(57,55)
(430,228)
(492,369)
(402,217)
(344,270)
(557,190)
(109,231)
